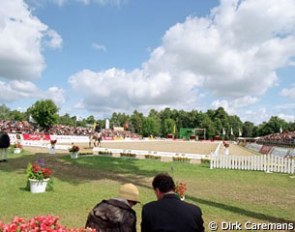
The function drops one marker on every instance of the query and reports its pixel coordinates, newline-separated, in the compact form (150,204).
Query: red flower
(46,172)
(40,223)
(37,173)
(35,168)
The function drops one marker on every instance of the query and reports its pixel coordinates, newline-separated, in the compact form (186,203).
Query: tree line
(44,113)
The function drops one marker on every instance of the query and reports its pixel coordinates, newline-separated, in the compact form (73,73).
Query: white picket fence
(267,163)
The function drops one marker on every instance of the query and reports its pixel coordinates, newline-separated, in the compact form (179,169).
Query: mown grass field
(223,195)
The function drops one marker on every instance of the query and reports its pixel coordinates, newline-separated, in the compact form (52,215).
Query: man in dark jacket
(169,213)
(4,144)
(116,214)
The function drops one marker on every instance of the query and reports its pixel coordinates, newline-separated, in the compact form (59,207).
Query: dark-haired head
(164,183)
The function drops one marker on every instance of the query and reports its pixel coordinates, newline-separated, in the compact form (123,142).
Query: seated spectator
(169,213)
(115,214)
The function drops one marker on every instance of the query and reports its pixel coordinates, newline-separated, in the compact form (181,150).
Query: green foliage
(168,127)
(66,120)
(4,112)
(151,126)
(136,121)
(44,112)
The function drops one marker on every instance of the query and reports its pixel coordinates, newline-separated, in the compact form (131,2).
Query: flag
(240,132)
(174,129)
(231,131)
(281,130)
(223,131)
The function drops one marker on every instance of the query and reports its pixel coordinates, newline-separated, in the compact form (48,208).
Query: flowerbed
(40,223)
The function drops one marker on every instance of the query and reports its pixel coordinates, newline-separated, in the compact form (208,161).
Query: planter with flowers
(38,177)
(17,148)
(52,146)
(180,190)
(39,223)
(74,152)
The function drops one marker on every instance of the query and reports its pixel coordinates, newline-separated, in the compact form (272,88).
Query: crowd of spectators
(286,138)
(25,127)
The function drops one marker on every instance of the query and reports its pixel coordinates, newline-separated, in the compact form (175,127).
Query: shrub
(105,153)
(181,159)
(148,156)
(127,155)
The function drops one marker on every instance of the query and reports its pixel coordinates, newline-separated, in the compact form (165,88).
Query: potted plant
(180,189)
(74,151)
(17,148)
(52,146)
(38,177)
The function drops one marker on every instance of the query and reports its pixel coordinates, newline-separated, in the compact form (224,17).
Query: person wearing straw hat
(115,214)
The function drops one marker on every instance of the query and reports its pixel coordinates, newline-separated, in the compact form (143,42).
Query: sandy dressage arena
(164,146)
(187,147)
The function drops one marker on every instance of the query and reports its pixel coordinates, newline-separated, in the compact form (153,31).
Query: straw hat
(129,192)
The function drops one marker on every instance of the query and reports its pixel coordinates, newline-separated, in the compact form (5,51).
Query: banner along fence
(267,163)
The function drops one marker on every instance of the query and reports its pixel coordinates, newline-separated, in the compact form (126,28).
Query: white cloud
(256,116)
(21,37)
(287,117)
(99,47)
(56,94)
(288,92)
(20,90)
(231,106)
(16,90)
(233,54)
(87,2)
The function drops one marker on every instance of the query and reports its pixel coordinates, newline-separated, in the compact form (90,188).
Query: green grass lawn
(223,195)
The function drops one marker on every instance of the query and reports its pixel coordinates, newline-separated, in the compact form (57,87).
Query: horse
(95,138)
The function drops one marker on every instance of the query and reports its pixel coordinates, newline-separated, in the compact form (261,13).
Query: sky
(96,57)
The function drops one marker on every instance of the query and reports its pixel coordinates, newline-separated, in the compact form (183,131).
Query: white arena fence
(267,163)
(142,153)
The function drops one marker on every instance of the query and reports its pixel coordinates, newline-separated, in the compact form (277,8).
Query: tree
(4,112)
(168,127)
(208,125)
(17,115)
(136,121)
(248,129)
(272,126)
(90,120)
(66,120)
(150,126)
(44,112)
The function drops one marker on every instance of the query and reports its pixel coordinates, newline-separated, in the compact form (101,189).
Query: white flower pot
(38,186)
(74,155)
(17,150)
(52,151)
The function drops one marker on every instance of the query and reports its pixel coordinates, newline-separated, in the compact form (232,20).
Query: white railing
(142,153)
(267,163)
